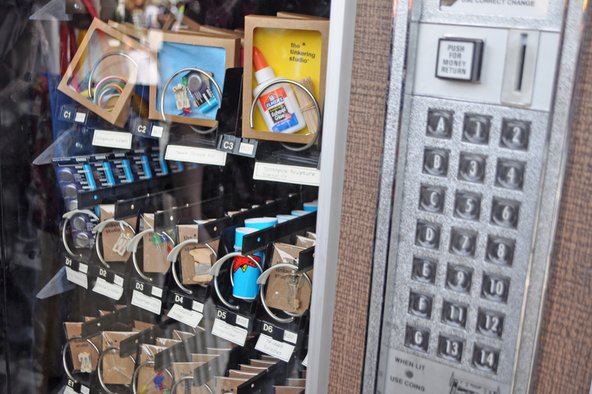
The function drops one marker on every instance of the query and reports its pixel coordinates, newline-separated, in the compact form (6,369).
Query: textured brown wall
(565,358)
(362,174)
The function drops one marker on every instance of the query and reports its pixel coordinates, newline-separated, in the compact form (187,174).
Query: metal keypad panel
(471,183)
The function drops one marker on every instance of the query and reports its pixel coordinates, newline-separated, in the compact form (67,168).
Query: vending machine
(170,177)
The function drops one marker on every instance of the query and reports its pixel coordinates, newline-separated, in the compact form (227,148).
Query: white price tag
(69,390)
(156,292)
(242,321)
(291,337)
(305,361)
(80,117)
(76,277)
(287,174)
(229,332)
(246,149)
(195,155)
(148,303)
(157,131)
(110,290)
(185,316)
(197,306)
(112,139)
(271,347)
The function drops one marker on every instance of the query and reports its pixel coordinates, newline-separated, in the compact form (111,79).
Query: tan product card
(84,356)
(166,342)
(147,377)
(305,242)
(288,390)
(196,260)
(285,290)
(296,382)
(115,237)
(180,370)
(182,335)
(156,248)
(225,385)
(116,370)
(289,48)
(203,358)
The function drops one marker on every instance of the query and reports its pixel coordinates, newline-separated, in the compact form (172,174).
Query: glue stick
(278,104)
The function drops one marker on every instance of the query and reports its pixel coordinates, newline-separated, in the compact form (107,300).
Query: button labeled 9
(459,278)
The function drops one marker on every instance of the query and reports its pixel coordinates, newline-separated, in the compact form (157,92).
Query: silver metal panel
(544,162)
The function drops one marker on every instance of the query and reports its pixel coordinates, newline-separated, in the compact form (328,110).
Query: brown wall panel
(565,357)
(362,175)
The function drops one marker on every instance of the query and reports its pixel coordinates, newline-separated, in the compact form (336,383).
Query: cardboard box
(115,237)
(81,350)
(156,248)
(172,52)
(100,40)
(116,370)
(196,260)
(278,294)
(295,48)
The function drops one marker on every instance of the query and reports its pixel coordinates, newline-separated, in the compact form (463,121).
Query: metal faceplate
(482,143)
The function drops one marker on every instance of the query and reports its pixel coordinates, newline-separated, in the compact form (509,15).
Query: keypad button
(504,213)
(490,323)
(485,358)
(467,205)
(500,250)
(435,162)
(420,305)
(515,134)
(427,235)
(463,242)
(417,338)
(471,168)
(495,288)
(424,270)
(459,278)
(454,314)
(476,128)
(431,198)
(450,348)
(439,123)
(509,174)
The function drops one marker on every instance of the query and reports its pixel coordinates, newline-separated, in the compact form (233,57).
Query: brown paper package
(112,233)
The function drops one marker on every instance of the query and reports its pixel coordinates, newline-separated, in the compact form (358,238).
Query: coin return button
(459,59)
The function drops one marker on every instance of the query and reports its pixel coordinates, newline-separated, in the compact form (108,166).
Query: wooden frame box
(284,25)
(184,43)
(102,39)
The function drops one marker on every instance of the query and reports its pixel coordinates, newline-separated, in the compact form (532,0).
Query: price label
(151,304)
(108,289)
(157,131)
(75,388)
(274,348)
(76,272)
(112,139)
(80,117)
(287,174)
(195,155)
(305,361)
(185,316)
(229,332)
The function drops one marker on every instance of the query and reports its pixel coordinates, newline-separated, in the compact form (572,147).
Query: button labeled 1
(476,129)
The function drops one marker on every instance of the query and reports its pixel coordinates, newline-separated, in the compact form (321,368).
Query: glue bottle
(278,104)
